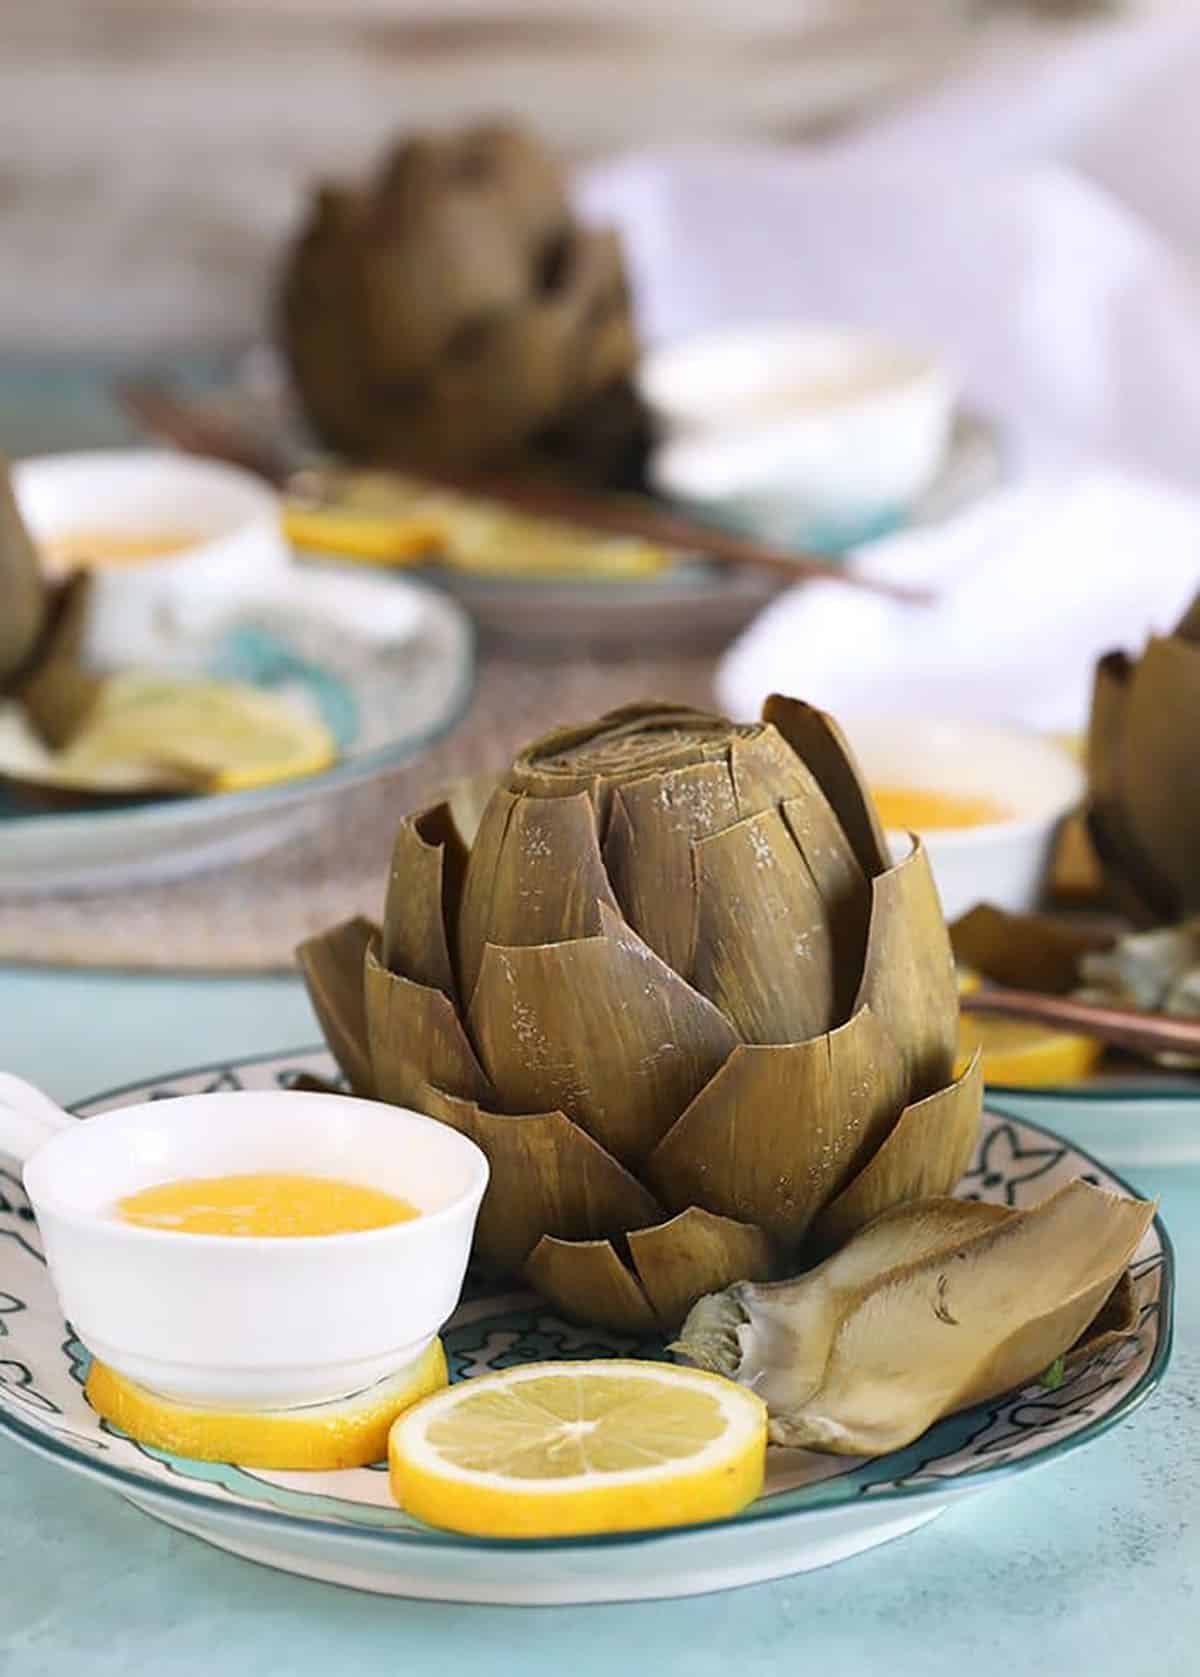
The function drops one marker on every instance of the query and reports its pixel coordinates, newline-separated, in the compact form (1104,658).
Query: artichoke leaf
(925,1154)
(1110,688)
(534,876)
(1027,951)
(1157,780)
(627,744)
(648,850)
(843,887)
(22,585)
(57,691)
(779,1130)
(424,888)
(600,1029)
(909,980)
(864,1363)
(587,1281)
(818,741)
(694,1253)
(1116,1322)
(762,946)
(779,1336)
(1188,627)
(547,1177)
(415,1038)
(332,965)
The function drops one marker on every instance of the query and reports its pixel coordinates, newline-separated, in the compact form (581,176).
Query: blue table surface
(1088,1567)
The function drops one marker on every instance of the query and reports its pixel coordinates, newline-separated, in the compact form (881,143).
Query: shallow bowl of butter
(254,1250)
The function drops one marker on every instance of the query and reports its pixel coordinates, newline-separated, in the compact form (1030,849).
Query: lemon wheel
(351,1432)
(569,1449)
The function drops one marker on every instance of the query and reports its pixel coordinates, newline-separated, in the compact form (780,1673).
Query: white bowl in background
(1001,862)
(136,607)
(797,430)
(223,1321)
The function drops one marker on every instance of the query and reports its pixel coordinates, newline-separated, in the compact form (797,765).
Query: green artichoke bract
(678,992)
(938,1305)
(1143,779)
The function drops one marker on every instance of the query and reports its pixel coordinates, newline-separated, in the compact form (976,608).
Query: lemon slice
(213,736)
(322,1437)
(567,1449)
(1027,1055)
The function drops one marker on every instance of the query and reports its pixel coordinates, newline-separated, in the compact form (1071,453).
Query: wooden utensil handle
(1143,1033)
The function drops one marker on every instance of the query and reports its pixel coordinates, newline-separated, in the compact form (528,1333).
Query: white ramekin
(237,1321)
(797,430)
(1002,862)
(139,608)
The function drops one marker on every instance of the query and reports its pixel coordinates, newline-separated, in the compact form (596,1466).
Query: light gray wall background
(153,153)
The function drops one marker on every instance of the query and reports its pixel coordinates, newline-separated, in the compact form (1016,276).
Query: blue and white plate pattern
(344,1527)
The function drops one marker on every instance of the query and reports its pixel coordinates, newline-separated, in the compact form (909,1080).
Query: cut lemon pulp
(1027,1055)
(322,1437)
(568,1449)
(215,736)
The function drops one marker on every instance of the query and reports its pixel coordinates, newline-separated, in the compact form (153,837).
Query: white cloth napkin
(1038,223)
(1032,586)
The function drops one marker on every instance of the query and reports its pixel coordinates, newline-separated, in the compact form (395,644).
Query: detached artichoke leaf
(416,1038)
(779,1337)
(648,850)
(600,1029)
(818,741)
(909,980)
(866,1362)
(1027,951)
(547,1177)
(925,1154)
(332,965)
(429,861)
(534,876)
(587,1281)
(1116,1322)
(779,1130)
(697,1252)
(762,948)
(1159,788)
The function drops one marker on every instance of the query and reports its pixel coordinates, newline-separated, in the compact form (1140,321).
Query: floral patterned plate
(343,1527)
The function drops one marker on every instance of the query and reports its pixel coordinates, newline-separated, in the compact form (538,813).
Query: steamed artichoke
(678,993)
(1144,775)
(452,313)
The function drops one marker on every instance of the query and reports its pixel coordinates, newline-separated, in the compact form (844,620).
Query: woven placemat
(249,918)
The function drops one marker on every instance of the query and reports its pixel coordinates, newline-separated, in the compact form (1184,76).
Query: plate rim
(125,1482)
(189,812)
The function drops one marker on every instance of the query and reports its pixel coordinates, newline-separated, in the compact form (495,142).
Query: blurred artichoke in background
(452,313)
(1144,775)
(678,993)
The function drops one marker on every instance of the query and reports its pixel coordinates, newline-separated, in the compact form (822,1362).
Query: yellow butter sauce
(916,809)
(102,549)
(267,1204)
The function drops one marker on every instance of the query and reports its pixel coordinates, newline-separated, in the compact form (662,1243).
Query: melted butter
(905,808)
(101,549)
(268,1204)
